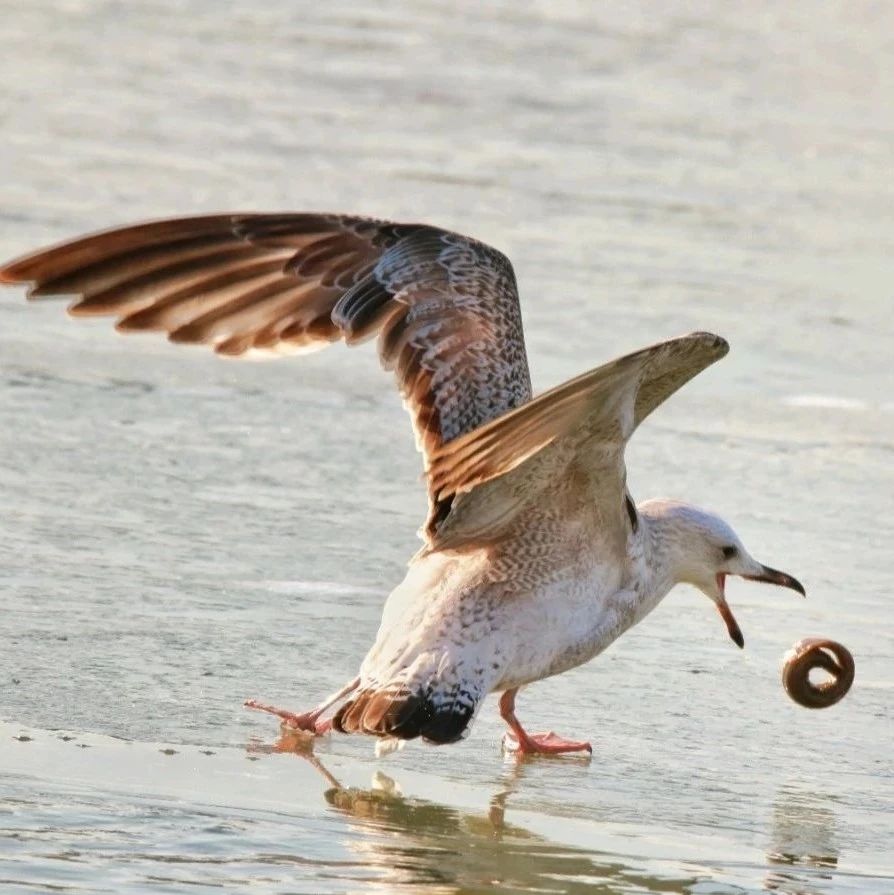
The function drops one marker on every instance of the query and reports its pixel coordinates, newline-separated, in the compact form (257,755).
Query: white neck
(666,534)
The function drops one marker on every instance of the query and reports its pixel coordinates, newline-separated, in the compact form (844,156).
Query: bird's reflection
(802,855)
(295,742)
(414,842)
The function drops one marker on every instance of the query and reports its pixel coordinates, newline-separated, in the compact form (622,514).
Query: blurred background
(179,532)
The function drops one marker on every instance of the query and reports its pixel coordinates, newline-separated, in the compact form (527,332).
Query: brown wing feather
(585,423)
(445,306)
(606,404)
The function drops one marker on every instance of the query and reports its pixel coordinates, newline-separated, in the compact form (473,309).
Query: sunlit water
(178,532)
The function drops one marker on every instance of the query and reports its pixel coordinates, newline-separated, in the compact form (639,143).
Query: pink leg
(309,721)
(521,742)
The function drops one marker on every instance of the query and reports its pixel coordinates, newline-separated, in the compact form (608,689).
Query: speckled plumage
(533,561)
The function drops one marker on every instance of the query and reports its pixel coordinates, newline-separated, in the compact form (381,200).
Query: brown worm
(816,652)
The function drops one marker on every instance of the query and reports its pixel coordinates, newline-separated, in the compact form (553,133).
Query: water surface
(179,532)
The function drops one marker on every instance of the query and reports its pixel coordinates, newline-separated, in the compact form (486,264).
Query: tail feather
(374,711)
(405,714)
(350,715)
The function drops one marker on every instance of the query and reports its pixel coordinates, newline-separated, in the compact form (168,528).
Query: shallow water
(179,532)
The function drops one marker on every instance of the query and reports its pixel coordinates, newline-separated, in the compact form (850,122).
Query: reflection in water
(803,840)
(416,843)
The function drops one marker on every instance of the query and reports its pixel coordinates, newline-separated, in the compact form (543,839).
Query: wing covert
(574,433)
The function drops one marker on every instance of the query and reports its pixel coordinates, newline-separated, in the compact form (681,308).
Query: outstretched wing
(445,307)
(575,433)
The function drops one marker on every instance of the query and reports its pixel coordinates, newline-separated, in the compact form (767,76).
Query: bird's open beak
(768,576)
(732,626)
(774,576)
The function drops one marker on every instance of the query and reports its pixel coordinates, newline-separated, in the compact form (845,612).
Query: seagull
(535,557)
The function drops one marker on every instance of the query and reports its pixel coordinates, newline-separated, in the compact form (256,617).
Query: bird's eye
(730,552)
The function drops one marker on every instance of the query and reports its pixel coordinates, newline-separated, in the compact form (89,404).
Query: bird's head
(703,550)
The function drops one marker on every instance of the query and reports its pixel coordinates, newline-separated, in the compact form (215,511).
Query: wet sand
(150,817)
(178,532)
